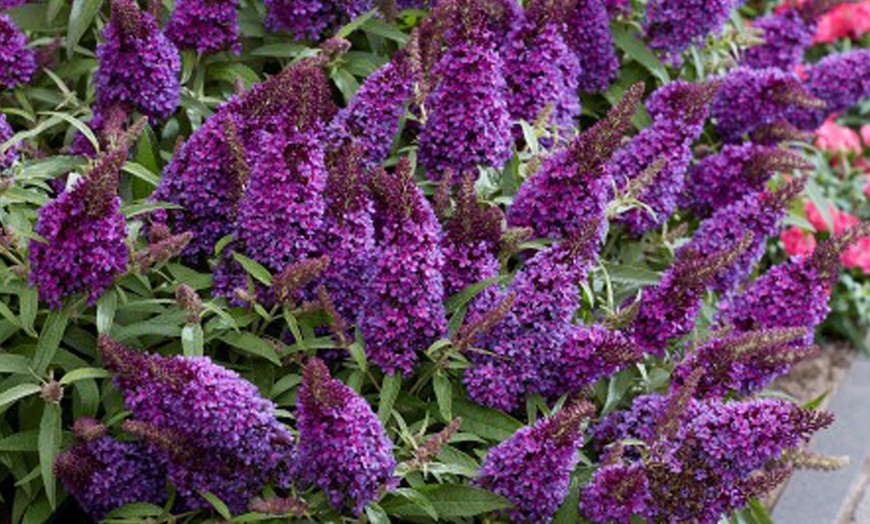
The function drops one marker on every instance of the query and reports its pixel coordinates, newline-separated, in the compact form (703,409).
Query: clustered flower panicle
(17,62)
(205,25)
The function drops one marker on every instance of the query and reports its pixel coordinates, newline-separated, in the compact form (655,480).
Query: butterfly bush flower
(138,64)
(759,213)
(533,468)
(467,120)
(672,26)
(343,449)
(616,493)
(786,35)
(472,241)
(523,348)
(10,155)
(669,309)
(205,25)
(679,110)
(9,4)
(736,171)
(587,33)
(542,74)
(212,428)
(303,19)
(372,115)
(17,62)
(769,95)
(403,312)
(104,474)
(85,234)
(794,293)
(591,352)
(840,80)
(573,184)
(744,362)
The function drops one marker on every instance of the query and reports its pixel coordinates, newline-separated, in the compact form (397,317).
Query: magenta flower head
(302,19)
(84,233)
(533,468)
(10,155)
(104,474)
(786,35)
(211,427)
(472,241)
(467,121)
(679,110)
(207,26)
(573,184)
(17,62)
(591,352)
(372,115)
(734,172)
(403,311)
(138,64)
(759,213)
(672,26)
(542,75)
(9,4)
(770,95)
(794,293)
(343,449)
(587,33)
(669,309)
(615,494)
(840,80)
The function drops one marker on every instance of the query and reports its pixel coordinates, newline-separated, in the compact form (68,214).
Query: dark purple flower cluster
(533,468)
(210,427)
(309,19)
(403,311)
(17,62)
(205,25)
(785,35)
(542,74)
(343,449)
(734,172)
(10,155)
(467,121)
(759,213)
(769,95)
(138,64)
(840,80)
(573,185)
(104,474)
(587,33)
(669,309)
(672,26)
(372,116)
(9,4)
(706,458)
(591,352)
(679,110)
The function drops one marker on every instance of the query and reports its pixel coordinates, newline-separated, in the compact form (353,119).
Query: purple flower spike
(403,311)
(587,33)
(672,26)
(343,449)
(17,62)
(104,474)
(574,185)
(208,26)
(211,427)
(467,121)
(533,468)
(840,80)
(615,494)
(591,352)
(769,95)
(11,154)
(786,36)
(138,64)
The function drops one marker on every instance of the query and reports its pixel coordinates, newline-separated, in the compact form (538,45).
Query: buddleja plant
(495,279)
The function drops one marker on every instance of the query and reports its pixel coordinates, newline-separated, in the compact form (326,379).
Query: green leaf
(376,514)
(485,422)
(81,15)
(449,500)
(29,302)
(24,441)
(49,340)
(419,500)
(389,393)
(83,374)
(254,268)
(14,364)
(136,510)
(253,345)
(355,24)
(623,37)
(379,27)
(106,307)
(218,505)
(346,83)
(463,297)
(49,447)
(133,210)
(192,340)
(17,393)
(78,124)
(444,394)
(142,173)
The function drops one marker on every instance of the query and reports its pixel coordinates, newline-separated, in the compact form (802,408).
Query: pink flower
(865,134)
(858,255)
(841,219)
(844,21)
(797,242)
(834,137)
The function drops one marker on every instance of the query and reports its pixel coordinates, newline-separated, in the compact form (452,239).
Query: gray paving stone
(813,497)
